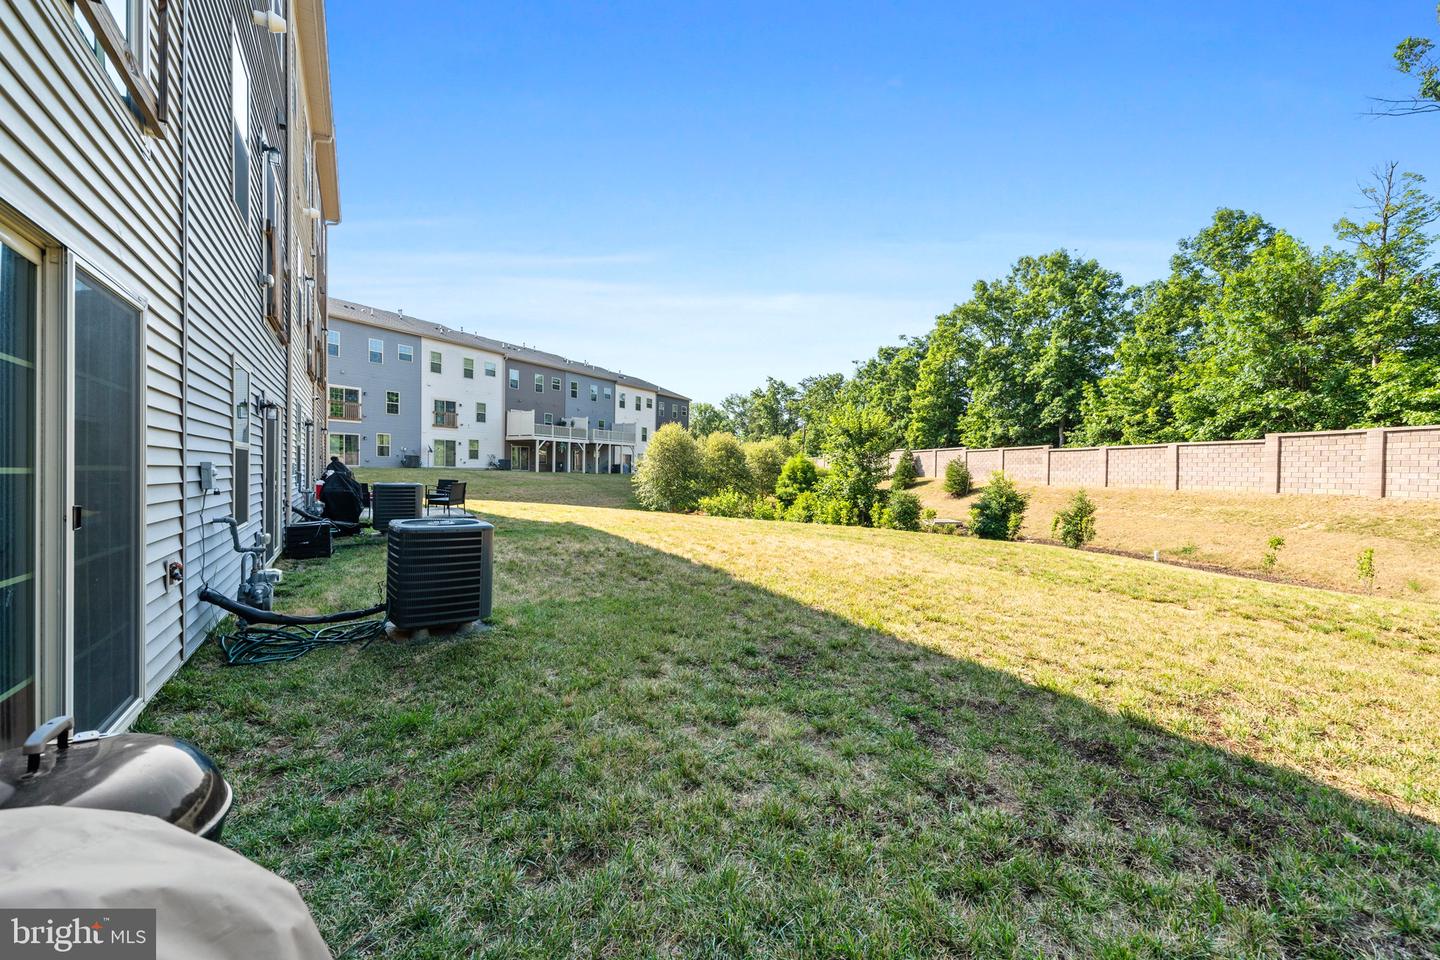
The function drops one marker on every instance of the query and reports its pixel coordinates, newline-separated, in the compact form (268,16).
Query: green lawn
(689,736)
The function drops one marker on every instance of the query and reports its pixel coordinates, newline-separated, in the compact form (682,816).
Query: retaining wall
(1400,462)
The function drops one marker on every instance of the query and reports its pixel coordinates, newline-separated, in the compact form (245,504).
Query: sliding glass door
(105,519)
(18,320)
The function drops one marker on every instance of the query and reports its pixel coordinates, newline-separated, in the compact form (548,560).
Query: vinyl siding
(74,164)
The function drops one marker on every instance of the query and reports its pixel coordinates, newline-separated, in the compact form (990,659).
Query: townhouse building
(477,402)
(167,177)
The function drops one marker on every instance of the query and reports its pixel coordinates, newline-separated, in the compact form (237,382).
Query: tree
(1046,332)
(858,449)
(886,382)
(671,475)
(797,477)
(1276,350)
(706,418)
(816,400)
(766,458)
(1397,331)
(1413,58)
(941,385)
(1134,401)
(724,464)
(763,412)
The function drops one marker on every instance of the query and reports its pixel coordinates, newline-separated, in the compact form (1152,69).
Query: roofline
(312,41)
(414,326)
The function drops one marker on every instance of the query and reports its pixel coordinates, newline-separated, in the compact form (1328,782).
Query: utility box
(309,541)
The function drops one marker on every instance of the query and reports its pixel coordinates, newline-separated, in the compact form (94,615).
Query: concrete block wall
(1323,463)
(1412,464)
(1400,462)
(1152,466)
(1231,465)
(1077,467)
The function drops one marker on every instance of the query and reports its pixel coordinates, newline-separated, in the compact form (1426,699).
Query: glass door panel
(106,517)
(18,278)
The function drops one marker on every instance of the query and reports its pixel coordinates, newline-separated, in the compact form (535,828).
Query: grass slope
(702,737)
(1323,535)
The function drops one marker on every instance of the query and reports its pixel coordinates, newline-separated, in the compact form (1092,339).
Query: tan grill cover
(209,900)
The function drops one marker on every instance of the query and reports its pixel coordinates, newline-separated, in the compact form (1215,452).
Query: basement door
(107,547)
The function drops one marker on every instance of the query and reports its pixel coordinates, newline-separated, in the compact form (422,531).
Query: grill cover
(209,901)
(439,571)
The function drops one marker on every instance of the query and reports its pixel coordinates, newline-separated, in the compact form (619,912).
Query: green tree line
(1252,331)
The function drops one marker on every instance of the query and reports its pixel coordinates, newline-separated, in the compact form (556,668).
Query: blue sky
(703,194)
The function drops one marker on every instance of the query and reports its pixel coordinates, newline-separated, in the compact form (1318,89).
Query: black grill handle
(56,727)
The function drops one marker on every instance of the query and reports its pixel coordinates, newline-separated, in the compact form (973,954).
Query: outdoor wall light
(268,20)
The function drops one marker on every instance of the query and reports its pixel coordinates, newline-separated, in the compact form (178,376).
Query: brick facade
(1401,462)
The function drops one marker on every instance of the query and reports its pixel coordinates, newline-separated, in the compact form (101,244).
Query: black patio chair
(447,494)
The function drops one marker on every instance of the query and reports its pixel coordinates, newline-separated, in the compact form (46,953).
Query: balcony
(523,425)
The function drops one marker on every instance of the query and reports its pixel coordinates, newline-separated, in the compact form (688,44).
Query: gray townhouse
(374,391)
(478,402)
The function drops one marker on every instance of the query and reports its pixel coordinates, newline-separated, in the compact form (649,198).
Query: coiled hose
(269,637)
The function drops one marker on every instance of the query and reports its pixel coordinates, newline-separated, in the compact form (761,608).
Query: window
(469,368)
(382,444)
(574,389)
(344,403)
(644,433)
(377,350)
(480,413)
(444,453)
(346,446)
(474,449)
(555,384)
(240,126)
(392,402)
(489,368)
(435,365)
(128,16)
(649,402)
(602,423)
(445,416)
(514,379)
(240,400)
(406,352)
(539,383)
(622,399)
(594,393)
(607,393)
(332,343)
(549,419)
(685,410)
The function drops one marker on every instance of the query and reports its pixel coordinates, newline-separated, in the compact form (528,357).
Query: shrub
(958,482)
(766,458)
(797,476)
(671,475)
(836,511)
(1075,525)
(724,463)
(1272,553)
(1365,567)
(904,475)
(802,510)
(1000,511)
(728,503)
(767,508)
(902,511)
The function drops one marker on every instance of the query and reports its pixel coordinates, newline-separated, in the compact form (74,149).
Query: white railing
(521,425)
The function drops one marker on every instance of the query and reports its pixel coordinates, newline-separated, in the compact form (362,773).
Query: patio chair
(437,493)
(447,494)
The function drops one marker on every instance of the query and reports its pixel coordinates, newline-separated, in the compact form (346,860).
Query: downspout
(285,459)
(184,128)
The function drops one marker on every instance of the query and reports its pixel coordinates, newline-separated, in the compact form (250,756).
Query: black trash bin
(163,776)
